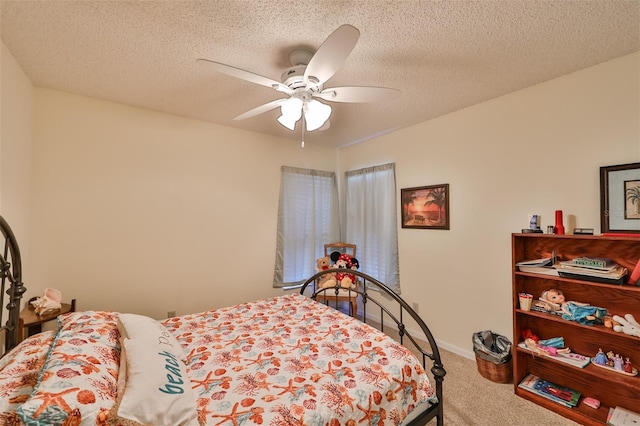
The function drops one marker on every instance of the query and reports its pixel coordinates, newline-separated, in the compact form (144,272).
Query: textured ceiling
(442,55)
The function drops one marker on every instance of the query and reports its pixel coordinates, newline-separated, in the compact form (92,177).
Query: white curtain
(307,220)
(371,221)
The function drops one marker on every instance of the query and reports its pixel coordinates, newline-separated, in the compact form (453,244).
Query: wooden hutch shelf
(609,387)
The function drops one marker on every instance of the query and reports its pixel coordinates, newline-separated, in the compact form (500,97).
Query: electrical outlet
(171,314)
(416,307)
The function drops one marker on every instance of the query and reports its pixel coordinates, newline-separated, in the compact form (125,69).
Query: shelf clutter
(568,292)
(551,391)
(619,416)
(601,270)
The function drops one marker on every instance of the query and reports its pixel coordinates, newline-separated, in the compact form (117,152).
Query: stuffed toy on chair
(344,261)
(323,263)
(327,280)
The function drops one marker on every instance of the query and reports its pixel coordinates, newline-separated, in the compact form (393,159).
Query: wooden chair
(343,295)
(349,249)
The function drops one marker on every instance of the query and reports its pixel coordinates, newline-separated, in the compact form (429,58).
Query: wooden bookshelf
(609,387)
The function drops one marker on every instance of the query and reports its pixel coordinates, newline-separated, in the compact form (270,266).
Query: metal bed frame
(368,287)
(10,284)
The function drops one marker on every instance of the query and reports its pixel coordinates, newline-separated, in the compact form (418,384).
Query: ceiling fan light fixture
(291,111)
(304,81)
(316,114)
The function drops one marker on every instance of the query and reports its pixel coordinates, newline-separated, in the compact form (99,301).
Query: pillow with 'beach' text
(134,326)
(157,390)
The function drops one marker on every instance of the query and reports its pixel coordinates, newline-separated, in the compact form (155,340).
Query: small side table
(33,322)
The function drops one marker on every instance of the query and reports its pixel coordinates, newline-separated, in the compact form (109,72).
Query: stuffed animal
(629,325)
(340,260)
(344,261)
(354,263)
(323,263)
(327,280)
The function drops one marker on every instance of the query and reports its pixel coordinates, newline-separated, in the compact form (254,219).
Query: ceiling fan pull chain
(303,124)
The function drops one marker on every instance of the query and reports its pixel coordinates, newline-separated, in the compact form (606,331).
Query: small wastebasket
(493,356)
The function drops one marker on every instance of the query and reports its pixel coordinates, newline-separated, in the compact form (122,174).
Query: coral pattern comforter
(287,360)
(292,361)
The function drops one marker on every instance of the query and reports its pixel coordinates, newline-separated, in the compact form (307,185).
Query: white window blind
(307,220)
(371,221)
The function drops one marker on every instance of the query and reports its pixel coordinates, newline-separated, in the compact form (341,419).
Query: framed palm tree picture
(425,207)
(620,198)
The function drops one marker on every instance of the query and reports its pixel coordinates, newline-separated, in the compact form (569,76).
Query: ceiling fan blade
(261,109)
(244,75)
(332,53)
(358,94)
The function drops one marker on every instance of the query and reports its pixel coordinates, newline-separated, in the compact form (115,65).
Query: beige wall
(137,211)
(16,125)
(532,151)
(132,210)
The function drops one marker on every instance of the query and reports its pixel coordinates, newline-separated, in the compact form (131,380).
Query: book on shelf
(595,263)
(616,275)
(591,278)
(544,270)
(619,416)
(551,391)
(615,271)
(545,265)
(545,261)
(541,306)
(601,263)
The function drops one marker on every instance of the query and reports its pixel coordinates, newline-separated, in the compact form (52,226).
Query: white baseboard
(441,343)
(446,346)
(456,350)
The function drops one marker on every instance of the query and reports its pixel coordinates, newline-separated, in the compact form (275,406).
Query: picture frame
(620,198)
(425,207)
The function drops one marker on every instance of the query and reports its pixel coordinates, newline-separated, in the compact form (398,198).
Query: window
(371,221)
(307,219)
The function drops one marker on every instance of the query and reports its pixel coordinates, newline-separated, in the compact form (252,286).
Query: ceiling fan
(303,83)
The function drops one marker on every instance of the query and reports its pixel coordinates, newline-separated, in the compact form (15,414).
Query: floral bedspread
(19,374)
(282,361)
(291,361)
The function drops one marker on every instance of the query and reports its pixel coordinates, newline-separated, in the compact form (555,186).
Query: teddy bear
(327,280)
(628,325)
(323,263)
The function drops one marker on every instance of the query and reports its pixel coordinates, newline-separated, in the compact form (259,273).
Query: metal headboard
(10,284)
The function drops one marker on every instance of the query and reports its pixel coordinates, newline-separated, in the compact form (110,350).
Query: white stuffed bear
(629,325)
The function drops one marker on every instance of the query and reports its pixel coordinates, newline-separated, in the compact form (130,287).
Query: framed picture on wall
(425,207)
(620,198)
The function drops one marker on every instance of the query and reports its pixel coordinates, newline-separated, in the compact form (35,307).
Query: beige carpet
(470,399)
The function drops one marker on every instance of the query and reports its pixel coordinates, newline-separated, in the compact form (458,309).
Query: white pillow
(157,389)
(149,330)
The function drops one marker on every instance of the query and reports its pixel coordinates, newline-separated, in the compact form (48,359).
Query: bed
(285,360)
